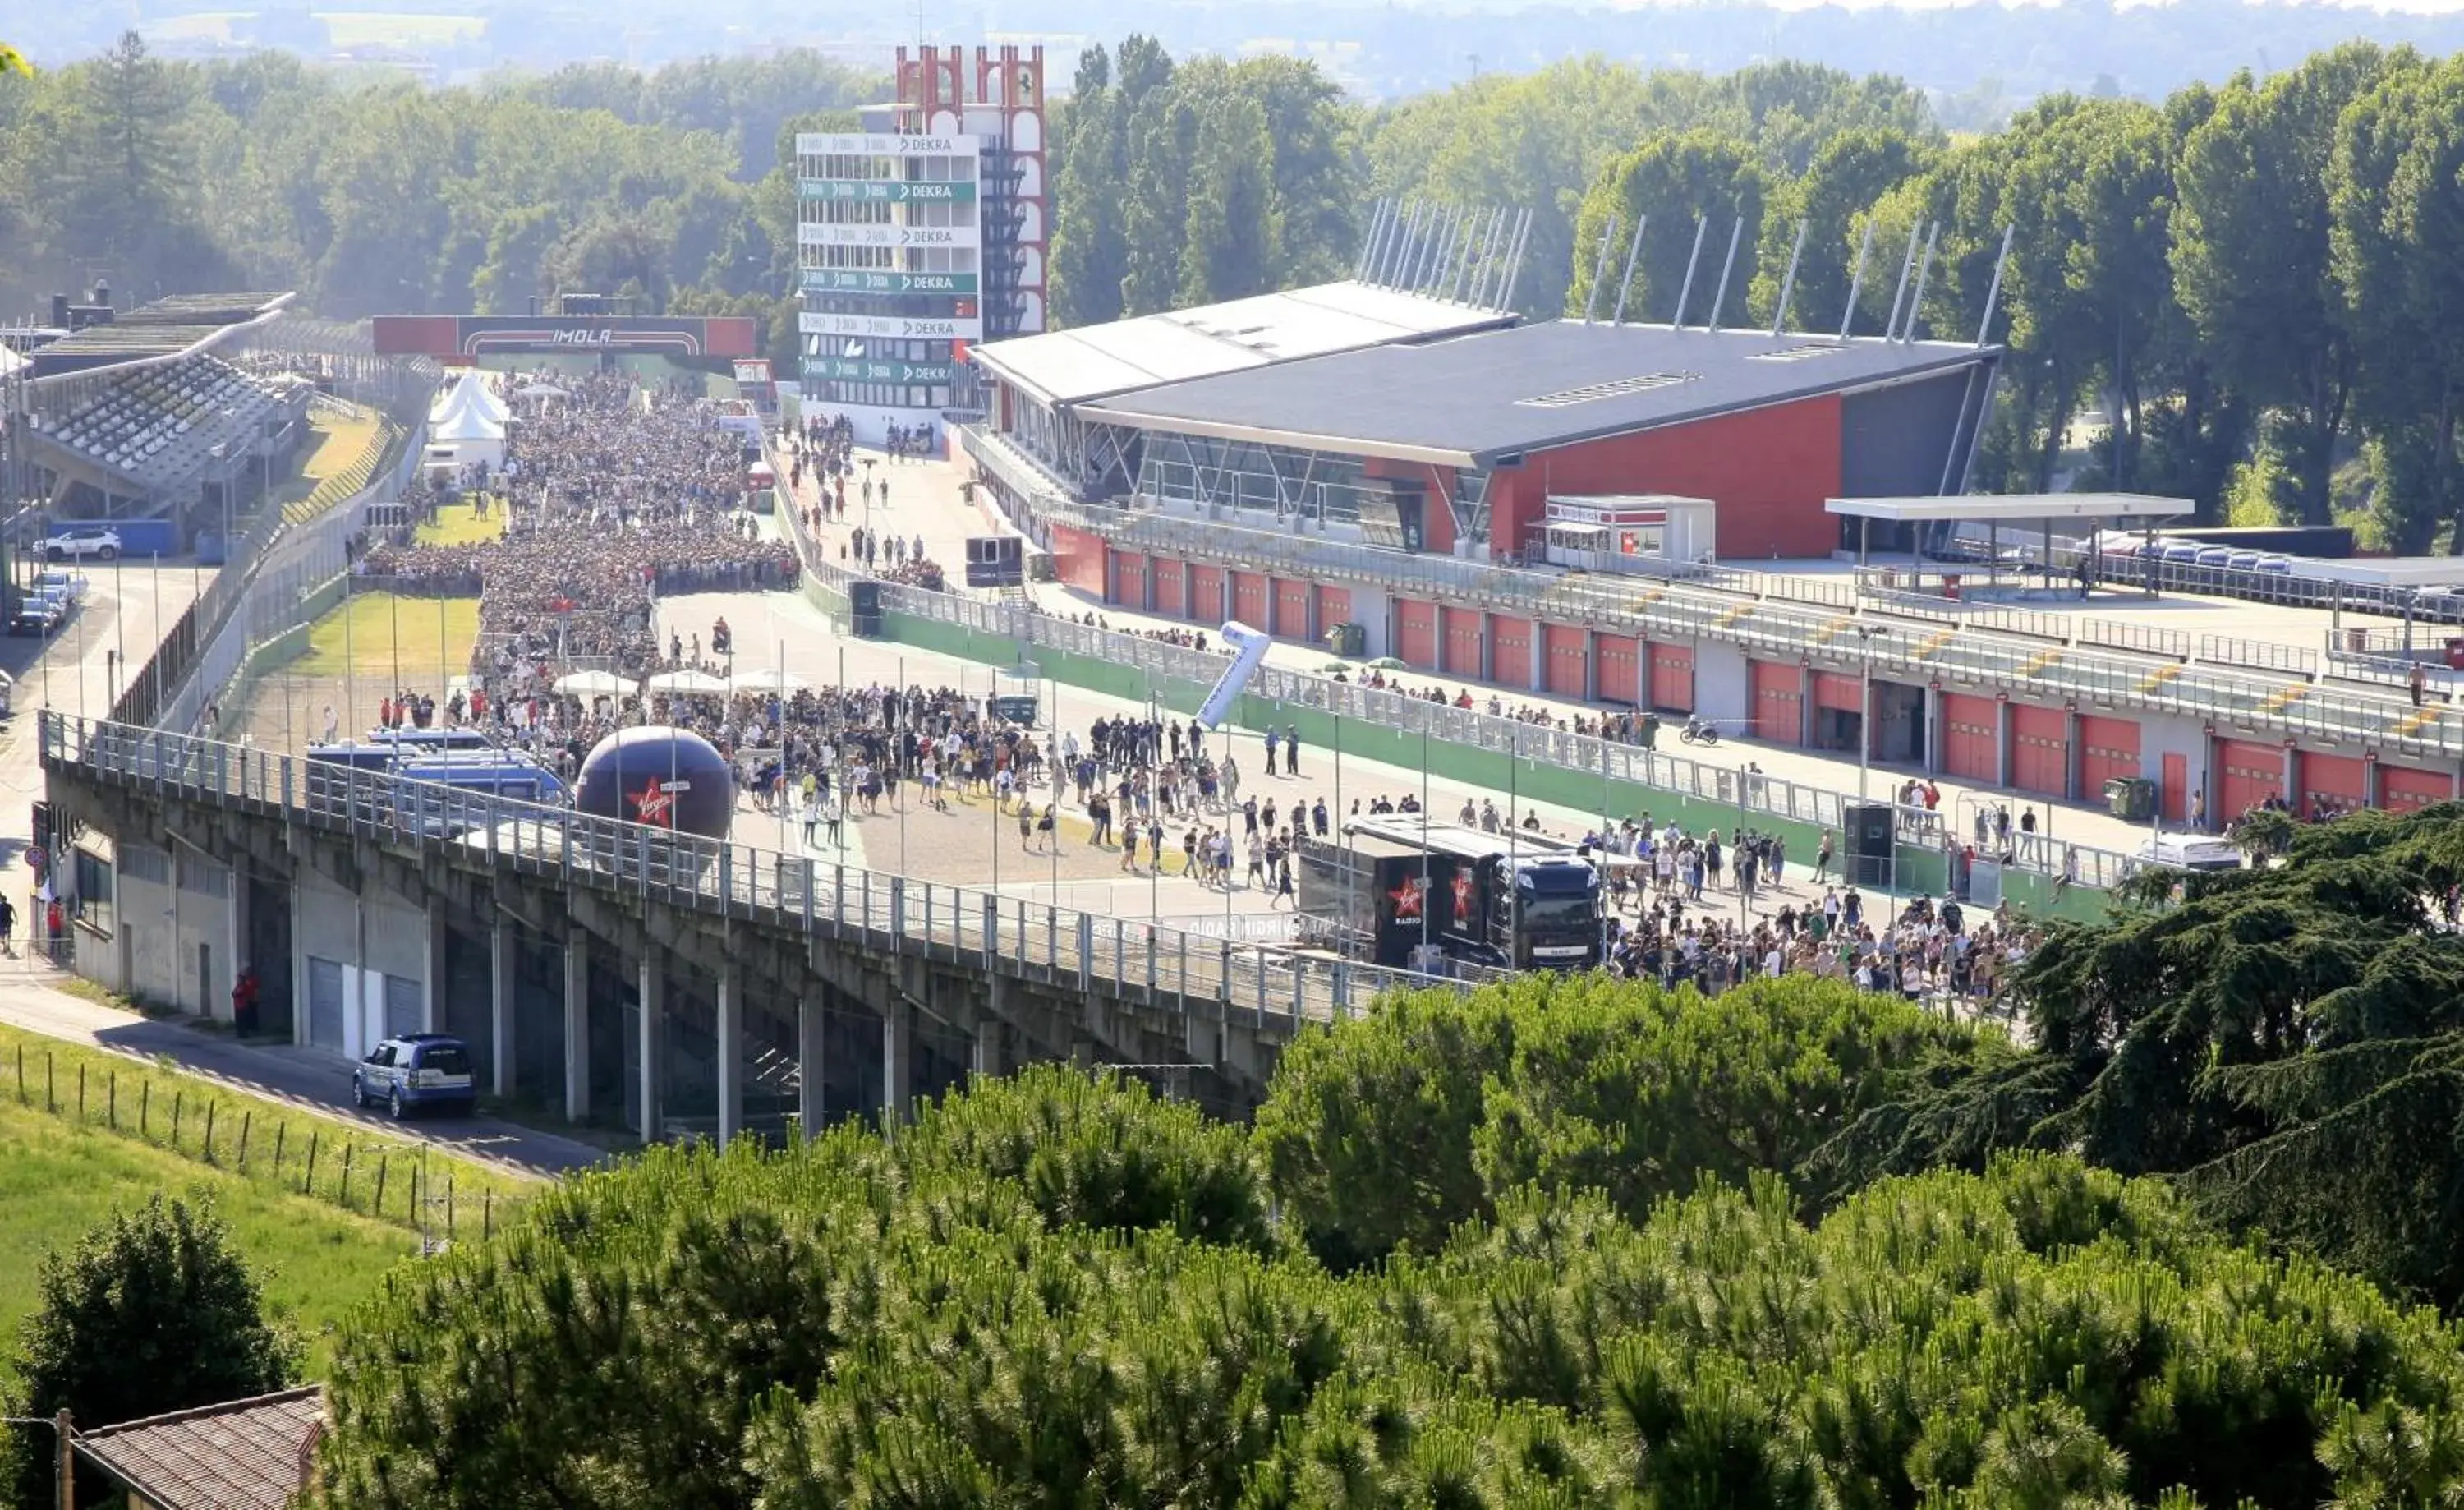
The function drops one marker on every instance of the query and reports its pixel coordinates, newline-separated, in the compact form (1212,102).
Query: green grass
(364,643)
(58,1180)
(266,1144)
(461,524)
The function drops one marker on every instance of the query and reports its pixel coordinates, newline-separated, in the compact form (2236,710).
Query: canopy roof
(2014,508)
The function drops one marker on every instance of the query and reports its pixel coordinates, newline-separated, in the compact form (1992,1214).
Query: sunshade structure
(593,684)
(767,680)
(689,684)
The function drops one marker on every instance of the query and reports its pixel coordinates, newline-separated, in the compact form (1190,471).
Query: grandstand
(152,434)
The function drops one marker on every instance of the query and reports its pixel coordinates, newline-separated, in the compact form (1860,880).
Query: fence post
(145,1108)
(377,1210)
(178,1100)
(279,1130)
(80,1094)
(246,1118)
(346,1173)
(308,1176)
(208,1147)
(486,1214)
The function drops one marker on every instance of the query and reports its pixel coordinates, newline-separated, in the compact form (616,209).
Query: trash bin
(2455,655)
(1951,586)
(1650,731)
(2131,798)
(1348,639)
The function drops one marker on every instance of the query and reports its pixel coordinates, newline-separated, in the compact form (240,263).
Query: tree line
(2248,281)
(387,198)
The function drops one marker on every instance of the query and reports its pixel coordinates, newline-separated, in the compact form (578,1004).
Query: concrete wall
(1722,686)
(175,945)
(372,938)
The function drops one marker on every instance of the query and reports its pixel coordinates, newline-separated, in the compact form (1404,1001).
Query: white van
(2190,852)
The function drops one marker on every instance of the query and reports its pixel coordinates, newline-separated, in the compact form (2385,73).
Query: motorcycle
(1699,731)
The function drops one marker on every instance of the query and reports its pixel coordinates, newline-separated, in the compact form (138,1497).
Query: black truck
(1387,886)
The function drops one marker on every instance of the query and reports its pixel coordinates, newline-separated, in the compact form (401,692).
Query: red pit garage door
(1250,599)
(1672,678)
(2401,788)
(1972,731)
(1334,607)
(1779,701)
(1171,579)
(2252,773)
(1416,626)
(1620,668)
(1130,580)
(1509,651)
(2040,752)
(2109,749)
(1462,627)
(1568,661)
(1206,595)
(2331,783)
(1291,609)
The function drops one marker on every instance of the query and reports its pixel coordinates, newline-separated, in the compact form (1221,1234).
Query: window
(96,905)
(445,1058)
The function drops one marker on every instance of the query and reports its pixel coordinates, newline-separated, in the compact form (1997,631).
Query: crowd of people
(611,497)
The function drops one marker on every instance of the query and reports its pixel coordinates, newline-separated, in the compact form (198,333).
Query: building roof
(1073,366)
(2015,508)
(203,309)
(243,1455)
(1494,395)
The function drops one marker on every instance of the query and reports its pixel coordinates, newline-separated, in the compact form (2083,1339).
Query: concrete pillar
(2293,781)
(651,1024)
(235,934)
(985,1058)
(501,1009)
(810,1064)
(2002,726)
(576,1027)
(2072,760)
(299,964)
(731,1057)
(1935,732)
(898,1067)
(432,985)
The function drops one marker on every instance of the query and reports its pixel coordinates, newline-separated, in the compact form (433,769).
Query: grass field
(435,636)
(337,441)
(462,524)
(59,1179)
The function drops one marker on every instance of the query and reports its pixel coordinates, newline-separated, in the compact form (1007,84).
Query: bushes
(1058,1292)
(1392,1130)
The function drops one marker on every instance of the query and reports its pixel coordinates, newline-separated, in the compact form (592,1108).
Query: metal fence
(1754,795)
(1717,606)
(997,933)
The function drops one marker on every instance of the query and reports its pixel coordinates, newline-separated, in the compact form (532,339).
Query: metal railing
(2235,651)
(1754,795)
(996,932)
(1650,608)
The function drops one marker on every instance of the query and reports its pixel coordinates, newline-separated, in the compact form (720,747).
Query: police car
(415,1070)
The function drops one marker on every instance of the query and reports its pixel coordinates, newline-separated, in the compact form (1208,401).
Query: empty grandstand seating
(161,425)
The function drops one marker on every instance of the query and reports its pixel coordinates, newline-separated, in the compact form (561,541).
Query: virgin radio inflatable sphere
(669,778)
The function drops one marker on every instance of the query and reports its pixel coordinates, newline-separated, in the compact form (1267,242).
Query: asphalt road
(30,997)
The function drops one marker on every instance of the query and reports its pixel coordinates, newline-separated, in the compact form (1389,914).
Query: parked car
(416,1069)
(2191,852)
(70,584)
(79,542)
(40,614)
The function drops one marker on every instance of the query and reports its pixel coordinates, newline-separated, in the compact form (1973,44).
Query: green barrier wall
(1918,871)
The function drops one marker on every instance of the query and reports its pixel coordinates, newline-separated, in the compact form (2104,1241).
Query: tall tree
(1849,174)
(1674,179)
(2252,249)
(1232,242)
(1088,173)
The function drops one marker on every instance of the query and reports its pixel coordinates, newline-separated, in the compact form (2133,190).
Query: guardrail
(1753,794)
(1648,607)
(986,928)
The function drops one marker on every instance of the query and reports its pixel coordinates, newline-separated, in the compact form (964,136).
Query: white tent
(688,684)
(468,435)
(469,391)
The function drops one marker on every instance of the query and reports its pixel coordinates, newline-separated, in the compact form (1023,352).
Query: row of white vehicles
(48,602)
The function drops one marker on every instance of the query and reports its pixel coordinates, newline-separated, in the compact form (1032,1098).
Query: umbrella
(1386,663)
(688,684)
(541,391)
(772,681)
(1333,666)
(593,684)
